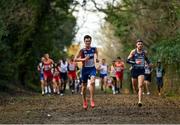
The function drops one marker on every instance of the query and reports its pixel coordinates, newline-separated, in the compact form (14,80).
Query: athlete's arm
(123,65)
(96,53)
(38,68)
(78,57)
(129,59)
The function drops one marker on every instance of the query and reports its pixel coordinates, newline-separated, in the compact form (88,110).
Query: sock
(46,90)
(113,88)
(49,89)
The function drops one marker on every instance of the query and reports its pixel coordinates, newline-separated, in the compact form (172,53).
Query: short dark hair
(87,37)
(139,40)
(118,57)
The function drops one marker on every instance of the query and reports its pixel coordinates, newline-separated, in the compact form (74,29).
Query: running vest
(119,67)
(72,66)
(103,69)
(63,67)
(147,69)
(47,66)
(113,71)
(90,53)
(139,57)
(159,72)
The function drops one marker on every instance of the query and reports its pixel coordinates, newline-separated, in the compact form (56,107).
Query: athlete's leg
(140,85)
(115,83)
(65,82)
(118,83)
(62,86)
(147,86)
(45,84)
(54,85)
(73,85)
(70,81)
(113,86)
(84,87)
(91,89)
(121,79)
(58,86)
(105,83)
(42,86)
(134,85)
(102,83)
(49,84)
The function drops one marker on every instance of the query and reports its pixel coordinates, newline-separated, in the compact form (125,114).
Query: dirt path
(109,109)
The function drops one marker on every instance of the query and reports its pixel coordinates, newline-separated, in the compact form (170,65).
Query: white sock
(42,90)
(113,88)
(46,90)
(49,89)
(54,90)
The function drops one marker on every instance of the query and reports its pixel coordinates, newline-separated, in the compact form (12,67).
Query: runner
(147,77)
(103,68)
(159,76)
(56,79)
(110,84)
(119,67)
(40,69)
(87,56)
(112,71)
(72,66)
(63,74)
(48,64)
(137,58)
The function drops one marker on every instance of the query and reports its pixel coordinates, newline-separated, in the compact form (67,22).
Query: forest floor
(112,109)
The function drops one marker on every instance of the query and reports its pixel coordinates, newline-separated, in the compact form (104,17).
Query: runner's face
(139,45)
(87,42)
(118,60)
(47,56)
(42,59)
(113,62)
(103,61)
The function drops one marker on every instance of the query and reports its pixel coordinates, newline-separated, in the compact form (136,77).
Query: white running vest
(64,67)
(103,69)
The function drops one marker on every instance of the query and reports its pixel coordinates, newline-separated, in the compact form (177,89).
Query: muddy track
(112,109)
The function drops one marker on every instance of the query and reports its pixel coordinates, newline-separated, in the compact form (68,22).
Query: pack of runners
(55,76)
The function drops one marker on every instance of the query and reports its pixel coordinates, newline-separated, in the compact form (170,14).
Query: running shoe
(92,104)
(85,106)
(139,104)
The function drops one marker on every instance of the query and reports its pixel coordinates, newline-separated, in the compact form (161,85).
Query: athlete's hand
(86,58)
(97,60)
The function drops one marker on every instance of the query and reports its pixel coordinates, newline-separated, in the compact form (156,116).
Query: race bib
(71,67)
(46,67)
(147,71)
(118,69)
(141,64)
(159,74)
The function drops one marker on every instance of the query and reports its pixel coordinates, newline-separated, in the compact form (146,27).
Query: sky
(89,22)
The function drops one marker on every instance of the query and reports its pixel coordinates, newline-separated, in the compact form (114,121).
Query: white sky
(89,22)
